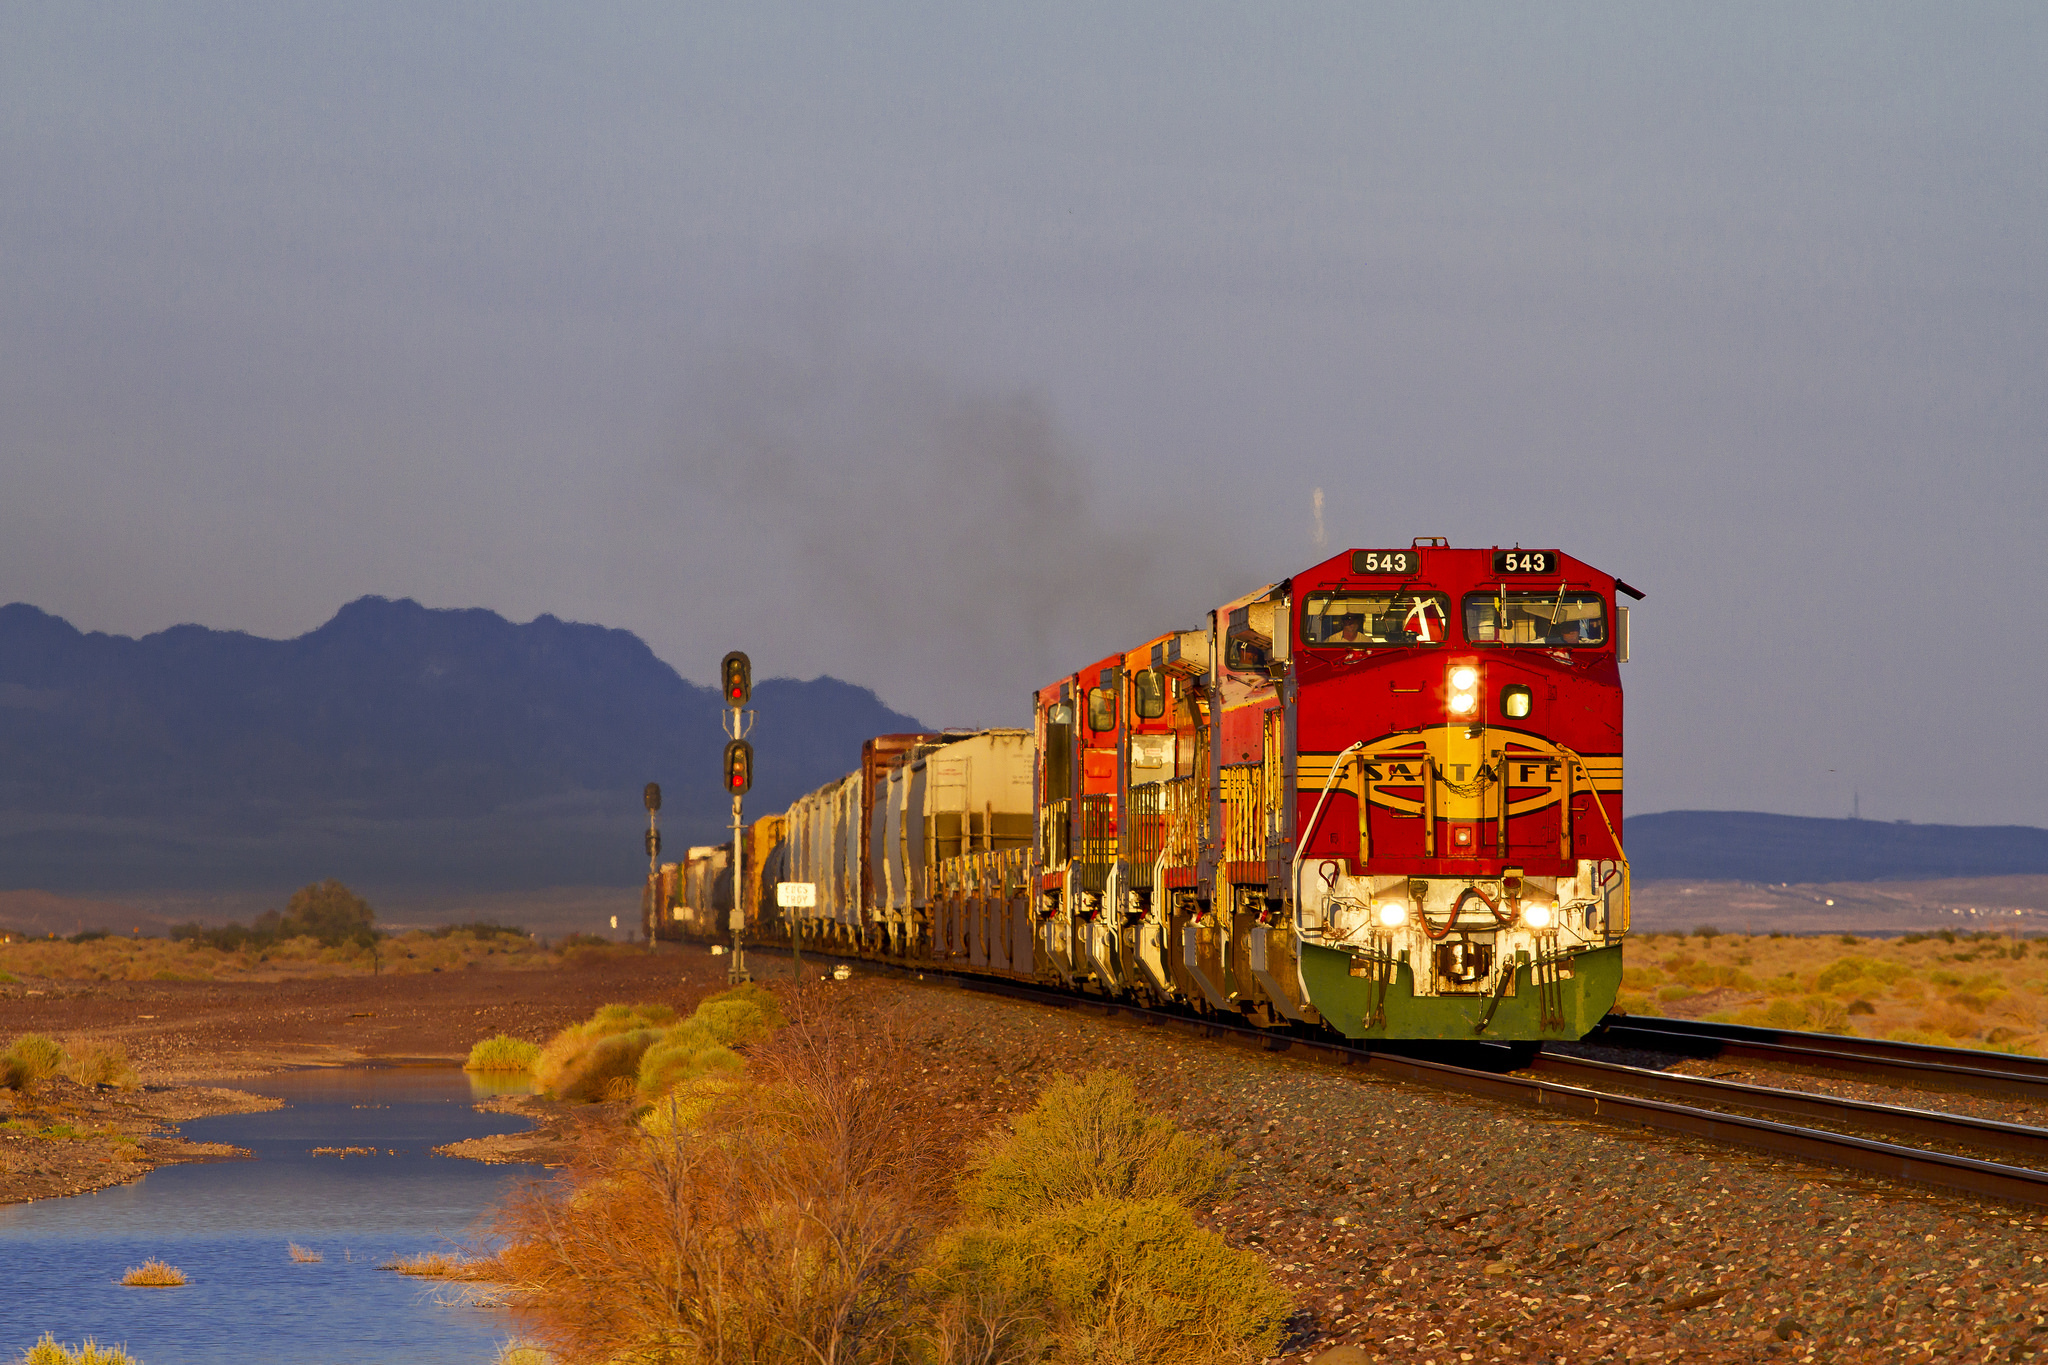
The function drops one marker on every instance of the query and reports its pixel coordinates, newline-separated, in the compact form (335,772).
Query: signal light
(651,797)
(739,767)
(737,677)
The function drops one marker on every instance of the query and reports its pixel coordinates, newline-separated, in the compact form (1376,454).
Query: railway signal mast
(651,797)
(736,674)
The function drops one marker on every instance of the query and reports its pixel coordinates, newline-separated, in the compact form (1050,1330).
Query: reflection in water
(226,1225)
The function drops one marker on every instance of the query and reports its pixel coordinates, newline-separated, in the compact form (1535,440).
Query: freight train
(1381,797)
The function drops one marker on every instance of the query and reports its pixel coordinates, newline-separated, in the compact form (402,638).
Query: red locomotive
(1382,796)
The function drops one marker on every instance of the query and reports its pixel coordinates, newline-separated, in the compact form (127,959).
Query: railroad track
(1601,1092)
(2003,1075)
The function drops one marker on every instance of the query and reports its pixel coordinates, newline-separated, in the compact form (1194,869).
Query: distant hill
(395,745)
(1739,845)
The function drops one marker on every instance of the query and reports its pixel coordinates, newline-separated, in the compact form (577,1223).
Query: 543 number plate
(1385,561)
(1524,561)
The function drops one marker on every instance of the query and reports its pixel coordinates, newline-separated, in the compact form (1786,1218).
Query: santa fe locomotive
(1382,797)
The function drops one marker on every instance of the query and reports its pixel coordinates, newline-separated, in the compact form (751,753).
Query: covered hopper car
(1382,797)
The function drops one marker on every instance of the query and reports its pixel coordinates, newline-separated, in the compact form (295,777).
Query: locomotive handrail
(1620,856)
(1315,820)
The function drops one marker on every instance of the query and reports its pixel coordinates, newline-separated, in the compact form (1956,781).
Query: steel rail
(1884,1048)
(1941,1170)
(2015,1139)
(1984,1076)
(1842,1151)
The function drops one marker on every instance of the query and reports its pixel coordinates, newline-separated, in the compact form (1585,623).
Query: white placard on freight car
(796,895)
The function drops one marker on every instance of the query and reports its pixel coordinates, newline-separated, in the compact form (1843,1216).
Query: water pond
(227,1226)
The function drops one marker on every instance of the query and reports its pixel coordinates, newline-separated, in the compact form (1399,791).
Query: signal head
(739,767)
(736,676)
(652,797)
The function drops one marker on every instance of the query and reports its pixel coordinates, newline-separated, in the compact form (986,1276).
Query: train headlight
(1464,679)
(1462,703)
(1539,914)
(1391,914)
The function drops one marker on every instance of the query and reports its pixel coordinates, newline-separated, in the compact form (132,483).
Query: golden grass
(95,1063)
(1951,990)
(153,1274)
(159,959)
(49,1351)
(437,1265)
(303,1255)
(503,1053)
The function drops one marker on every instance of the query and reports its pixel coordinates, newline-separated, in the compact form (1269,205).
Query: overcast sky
(944,348)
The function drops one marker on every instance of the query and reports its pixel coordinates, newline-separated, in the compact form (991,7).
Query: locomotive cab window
(1360,620)
(1059,751)
(1148,694)
(1247,653)
(1558,619)
(1101,710)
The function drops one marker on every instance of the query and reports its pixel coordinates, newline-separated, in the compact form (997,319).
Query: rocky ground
(1411,1225)
(1421,1226)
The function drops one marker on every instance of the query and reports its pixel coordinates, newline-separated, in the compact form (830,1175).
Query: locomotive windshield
(1358,620)
(1558,619)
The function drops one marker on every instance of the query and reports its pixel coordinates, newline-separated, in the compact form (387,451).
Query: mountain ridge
(410,744)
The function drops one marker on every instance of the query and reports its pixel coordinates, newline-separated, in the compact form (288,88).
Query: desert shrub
(691,1103)
(789,1229)
(502,1053)
(1088,1138)
(1950,1022)
(741,1015)
(605,1068)
(479,929)
(684,1053)
(1706,931)
(1676,993)
(48,1351)
(702,1044)
(102,1064)
(1786,1013)
(9,979)
(1841,972)
(31,1058)
(1110,1279)
(567,1053)
(1861,1007)
(1826,1016)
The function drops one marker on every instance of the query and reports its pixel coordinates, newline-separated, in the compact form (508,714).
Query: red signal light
(736,675)
(739,767)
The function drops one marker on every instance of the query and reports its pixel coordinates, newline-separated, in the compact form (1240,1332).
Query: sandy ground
(182,1036)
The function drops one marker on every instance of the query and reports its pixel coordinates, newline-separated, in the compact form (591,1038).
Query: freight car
(1382,797)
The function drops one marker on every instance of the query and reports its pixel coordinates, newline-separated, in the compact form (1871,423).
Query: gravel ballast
(1418,1225)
